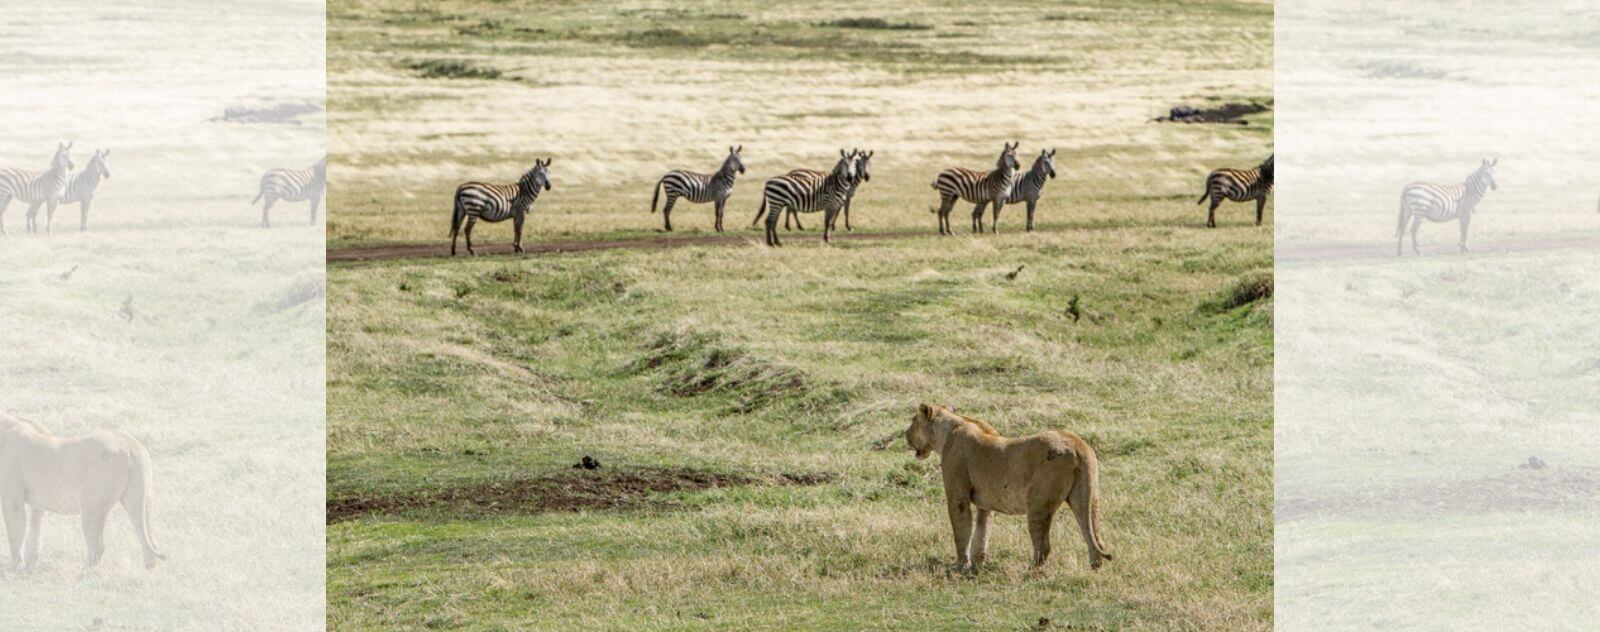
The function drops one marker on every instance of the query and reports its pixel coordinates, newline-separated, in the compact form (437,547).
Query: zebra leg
(1466,220)
(1211,215)
(33,213)
(994,226)
(1031,204)
(516,226)
(796,215)
(83,216)
(945,206)
(977,217)
(267,208)
(772,224)
(49,216)
(316,200)
(847,211)
(828,218)
(666,211)
(719,213)
(471,221)
(1415,224)
(5,200)
(1261,204)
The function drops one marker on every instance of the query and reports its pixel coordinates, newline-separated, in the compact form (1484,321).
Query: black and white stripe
(863,174)
(984,188)
(807,194)
(35,188)
(699,188)
(293,185)
(1238,185)
(497,203)
(1441,203)
(82,185)
(1030,186)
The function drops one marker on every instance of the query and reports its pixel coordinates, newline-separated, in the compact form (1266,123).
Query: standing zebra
(1437,203)
(980,187)
(699,188)
(1238,185)
(498,202)
(807,194)
(82,186)
(36,188)
(293,185)
(1031,185)
(863,174)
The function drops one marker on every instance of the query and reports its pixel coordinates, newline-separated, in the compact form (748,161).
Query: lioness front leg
(980,539)
(16,524)
(1039,527)
(30,544)
(961,523)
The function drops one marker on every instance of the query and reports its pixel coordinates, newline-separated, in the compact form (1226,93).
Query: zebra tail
(1203,196)
(455,218)
(1400,225)
(761,211)
(258,197)
(657,196)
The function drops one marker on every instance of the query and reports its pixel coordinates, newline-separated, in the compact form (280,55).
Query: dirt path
(660,242)
(1304,252)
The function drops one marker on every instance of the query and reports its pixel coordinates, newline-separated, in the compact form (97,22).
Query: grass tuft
(875,24)
(452,69)
(1247,289)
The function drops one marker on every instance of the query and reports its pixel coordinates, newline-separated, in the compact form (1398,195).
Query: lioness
(1029,475)
(85,475)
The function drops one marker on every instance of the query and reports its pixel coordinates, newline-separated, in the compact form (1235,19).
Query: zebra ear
(738,149)
(1494,162)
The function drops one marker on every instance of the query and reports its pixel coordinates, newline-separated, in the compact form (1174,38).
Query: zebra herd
(57,185)
(62,184)
(827,192)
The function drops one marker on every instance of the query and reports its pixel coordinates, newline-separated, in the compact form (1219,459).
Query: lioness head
(920,436)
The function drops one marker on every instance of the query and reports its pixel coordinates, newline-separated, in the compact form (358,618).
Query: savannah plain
(746,404)
(174,318)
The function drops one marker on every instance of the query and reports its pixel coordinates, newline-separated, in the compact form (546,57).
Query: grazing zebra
(1437,203)
(497,202)
(1238,185)
(863,174)
(1031,185)
(980,187)
(699,188)
(82,186)
(807,194)
(293,185)
(35,189)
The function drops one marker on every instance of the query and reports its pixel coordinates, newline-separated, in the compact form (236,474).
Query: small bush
(875,24)
(452,69)
(1247,289)
(665,38)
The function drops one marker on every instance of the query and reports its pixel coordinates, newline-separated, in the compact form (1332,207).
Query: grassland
(746,403)
(174,319)
(1436,462)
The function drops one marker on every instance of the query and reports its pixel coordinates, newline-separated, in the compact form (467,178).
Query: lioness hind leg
(1039,521)
(94,532)
(961,524)
(30,544)
(980,539)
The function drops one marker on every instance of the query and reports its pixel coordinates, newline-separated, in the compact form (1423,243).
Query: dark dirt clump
(1225,113)
(583,490)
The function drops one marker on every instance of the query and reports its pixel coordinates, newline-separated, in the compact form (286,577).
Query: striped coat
(1030,186)
(497,203)
(863,174)
(984,188)
(293,185)
(1238,185)
(1442,203)
(37,189)
(699,188)
(807,194)
(82,185)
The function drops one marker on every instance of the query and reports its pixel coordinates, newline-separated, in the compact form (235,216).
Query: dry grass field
(174,319)
(746,404)
(1436,427)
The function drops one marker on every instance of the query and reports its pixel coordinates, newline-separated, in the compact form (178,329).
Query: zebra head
(845,169)
(733,163)
(536,178)
(1485,173)
(63,159)
(1008,158)
(98,165)
(1267,168)
(863,164)
(1046,162)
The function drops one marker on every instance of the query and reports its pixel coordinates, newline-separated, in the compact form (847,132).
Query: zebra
(1030,186)
(863,174)
(498,202)
(82,186)
(982,188)
(1238,185)
(808,194)
(700,188)
(293,185)
(36,188)
(1421,200)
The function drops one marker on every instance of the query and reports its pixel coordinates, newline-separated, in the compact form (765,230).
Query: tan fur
(85,475)
(1031,475)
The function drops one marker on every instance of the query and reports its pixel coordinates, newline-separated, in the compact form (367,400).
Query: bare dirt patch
(1229,113)
(582,490)
(1528,489)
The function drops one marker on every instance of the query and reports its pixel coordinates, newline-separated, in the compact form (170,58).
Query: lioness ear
(927,411)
